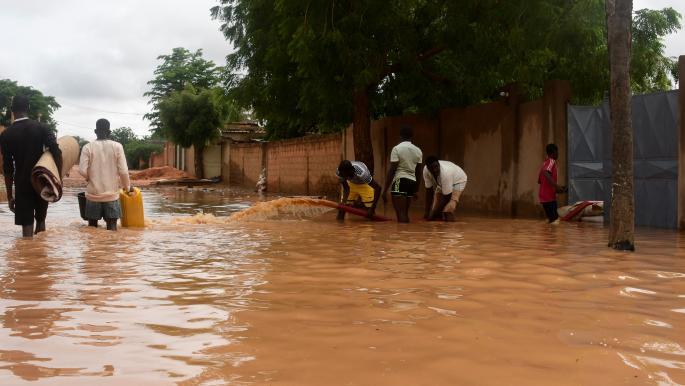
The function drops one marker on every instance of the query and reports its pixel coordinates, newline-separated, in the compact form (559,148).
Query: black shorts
(550,210)
(29,206)
(404,187)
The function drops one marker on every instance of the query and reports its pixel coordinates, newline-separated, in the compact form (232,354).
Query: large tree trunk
(361,127)
(199,160)
(622,220)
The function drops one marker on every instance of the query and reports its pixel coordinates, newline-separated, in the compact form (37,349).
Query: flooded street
(309,301)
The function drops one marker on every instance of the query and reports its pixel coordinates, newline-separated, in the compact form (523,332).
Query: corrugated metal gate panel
(655,120)
(588,179)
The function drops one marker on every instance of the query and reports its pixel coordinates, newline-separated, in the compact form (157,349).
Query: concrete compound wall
(157,160)
(681,146)
(246,161)
(296,166)
(304,165)
(500,145)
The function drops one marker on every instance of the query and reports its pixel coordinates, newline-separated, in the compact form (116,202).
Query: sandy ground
(138,177)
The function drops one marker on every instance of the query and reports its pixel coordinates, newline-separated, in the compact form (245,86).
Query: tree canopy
(124,135)
(177,70)
(194,117)
(41,107)
(135,147)
(306,66)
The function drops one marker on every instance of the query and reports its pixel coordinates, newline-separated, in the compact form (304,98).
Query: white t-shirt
(450,175)
(407,155)
(103,165)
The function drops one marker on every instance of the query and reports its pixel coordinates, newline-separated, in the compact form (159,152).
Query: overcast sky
(95,57)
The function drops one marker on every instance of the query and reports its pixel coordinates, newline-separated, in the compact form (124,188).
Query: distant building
(214,154)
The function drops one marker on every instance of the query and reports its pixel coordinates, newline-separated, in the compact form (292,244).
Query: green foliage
(140,148)
(650,68)
(124,135)
(135,148)
(41,107)
(178,70)
(193,117)
(297,63)
(81,141)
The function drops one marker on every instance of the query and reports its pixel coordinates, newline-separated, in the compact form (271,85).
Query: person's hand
(131,189)
(11,203)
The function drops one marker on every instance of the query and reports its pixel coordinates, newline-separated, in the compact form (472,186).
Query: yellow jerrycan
(132,209)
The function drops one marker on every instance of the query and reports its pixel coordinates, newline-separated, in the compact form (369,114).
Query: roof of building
(242,128)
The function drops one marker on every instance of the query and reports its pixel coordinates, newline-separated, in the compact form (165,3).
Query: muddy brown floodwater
(308,301)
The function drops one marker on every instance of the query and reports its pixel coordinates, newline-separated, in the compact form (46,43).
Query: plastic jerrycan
(132,208)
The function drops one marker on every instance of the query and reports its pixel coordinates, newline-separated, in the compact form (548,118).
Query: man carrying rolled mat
(103,165)
(22,146)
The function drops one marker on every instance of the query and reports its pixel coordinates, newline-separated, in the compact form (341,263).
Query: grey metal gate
(655,120)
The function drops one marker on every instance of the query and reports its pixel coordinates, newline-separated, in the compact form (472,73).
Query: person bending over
(445,182)
(23,144)
(103,165)
(359,189)
(403,174)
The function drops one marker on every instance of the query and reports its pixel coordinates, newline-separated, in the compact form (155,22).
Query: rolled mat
(45,178)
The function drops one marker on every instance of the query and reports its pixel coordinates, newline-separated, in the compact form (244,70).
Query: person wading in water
(403,174)
(22,145)
(103,165)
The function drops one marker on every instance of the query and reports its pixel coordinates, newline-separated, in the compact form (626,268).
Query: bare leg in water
(111,224)
(27,231)
(40,227)
(401,205)
(93,223)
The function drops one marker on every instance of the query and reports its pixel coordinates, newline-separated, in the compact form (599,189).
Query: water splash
(289,207)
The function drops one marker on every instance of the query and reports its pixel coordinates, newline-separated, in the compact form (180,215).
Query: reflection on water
(315,302)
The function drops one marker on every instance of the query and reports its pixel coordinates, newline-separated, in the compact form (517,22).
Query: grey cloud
(100,53)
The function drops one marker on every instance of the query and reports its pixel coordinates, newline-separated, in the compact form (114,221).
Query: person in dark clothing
(22,146)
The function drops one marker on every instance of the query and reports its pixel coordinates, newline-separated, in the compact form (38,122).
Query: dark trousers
(550,210)
(29,206)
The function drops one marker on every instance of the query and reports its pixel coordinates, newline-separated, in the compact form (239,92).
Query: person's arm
(389,178)
(51,144)
(122,168)
(430,192)
(376,196)
(444,200)
(84,163)
(8,172)
(557,188)
(345,195)
(417,173)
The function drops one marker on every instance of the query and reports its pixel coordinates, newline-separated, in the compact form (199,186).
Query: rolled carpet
(45,178)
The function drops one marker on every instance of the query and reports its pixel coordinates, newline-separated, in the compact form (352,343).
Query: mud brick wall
(500,146)
(157,160)
(304,165)
(246,163)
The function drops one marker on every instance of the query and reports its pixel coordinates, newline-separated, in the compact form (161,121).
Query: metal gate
(655,121)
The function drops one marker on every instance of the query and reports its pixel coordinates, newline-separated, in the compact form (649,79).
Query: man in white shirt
(445,182)
(403,174)
(103,165)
